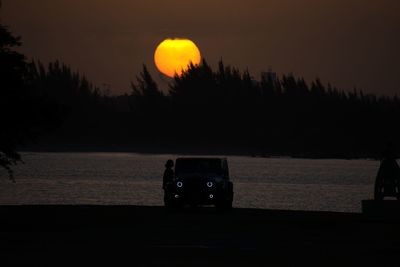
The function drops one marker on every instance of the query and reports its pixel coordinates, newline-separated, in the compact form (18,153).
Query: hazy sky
(346,42)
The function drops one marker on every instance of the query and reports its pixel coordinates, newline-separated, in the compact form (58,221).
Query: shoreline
(183,152)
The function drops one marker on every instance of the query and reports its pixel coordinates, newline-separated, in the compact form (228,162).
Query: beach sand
(152,236)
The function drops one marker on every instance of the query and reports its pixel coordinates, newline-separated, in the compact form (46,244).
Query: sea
(136,179)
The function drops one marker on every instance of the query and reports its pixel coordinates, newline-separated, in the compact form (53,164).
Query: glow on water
(135,179)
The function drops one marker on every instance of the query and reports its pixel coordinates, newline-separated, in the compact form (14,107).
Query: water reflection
(125,178)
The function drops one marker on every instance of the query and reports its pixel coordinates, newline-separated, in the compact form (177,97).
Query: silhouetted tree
(79,109)
(146,96)
(148,106)
(217,110)
(26,109)
(58,83)
(14,102)
(146,86)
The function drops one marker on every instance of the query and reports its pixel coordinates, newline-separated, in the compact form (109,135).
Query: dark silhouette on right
(387,182)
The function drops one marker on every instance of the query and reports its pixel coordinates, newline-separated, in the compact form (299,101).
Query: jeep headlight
(210,184)
(179,184)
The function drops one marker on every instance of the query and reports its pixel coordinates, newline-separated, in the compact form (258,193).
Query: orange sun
(173,56)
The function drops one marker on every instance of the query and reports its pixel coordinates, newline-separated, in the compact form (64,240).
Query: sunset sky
(346,42)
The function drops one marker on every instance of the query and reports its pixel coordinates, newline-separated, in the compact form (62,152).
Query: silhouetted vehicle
(388,180)
(200,181)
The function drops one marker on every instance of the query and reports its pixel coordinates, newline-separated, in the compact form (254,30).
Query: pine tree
(146,86)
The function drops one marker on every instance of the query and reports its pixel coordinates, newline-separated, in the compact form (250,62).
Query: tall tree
(24,111)
(145,86)
(146,97)
(12,94)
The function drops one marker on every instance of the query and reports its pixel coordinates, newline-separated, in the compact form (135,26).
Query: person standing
(388,179)
(168,173)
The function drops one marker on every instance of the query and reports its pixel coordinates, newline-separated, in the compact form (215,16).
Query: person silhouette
(168,173)
(388,178)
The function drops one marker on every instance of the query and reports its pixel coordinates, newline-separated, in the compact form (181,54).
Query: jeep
(200,181)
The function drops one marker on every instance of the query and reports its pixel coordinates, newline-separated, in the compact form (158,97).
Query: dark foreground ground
(150,236)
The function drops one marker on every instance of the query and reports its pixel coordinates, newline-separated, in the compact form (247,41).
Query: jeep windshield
(200,166)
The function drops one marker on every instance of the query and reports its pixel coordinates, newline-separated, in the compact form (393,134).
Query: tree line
(228,110)
(221,110)
(205,110)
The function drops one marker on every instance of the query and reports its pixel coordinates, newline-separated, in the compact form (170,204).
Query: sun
(173,56)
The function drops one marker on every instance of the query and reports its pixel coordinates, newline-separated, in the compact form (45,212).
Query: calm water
(125,178)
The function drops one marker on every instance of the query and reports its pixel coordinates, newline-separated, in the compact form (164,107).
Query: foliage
(12,99)
(228,110)
(204,110)
(28,104)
